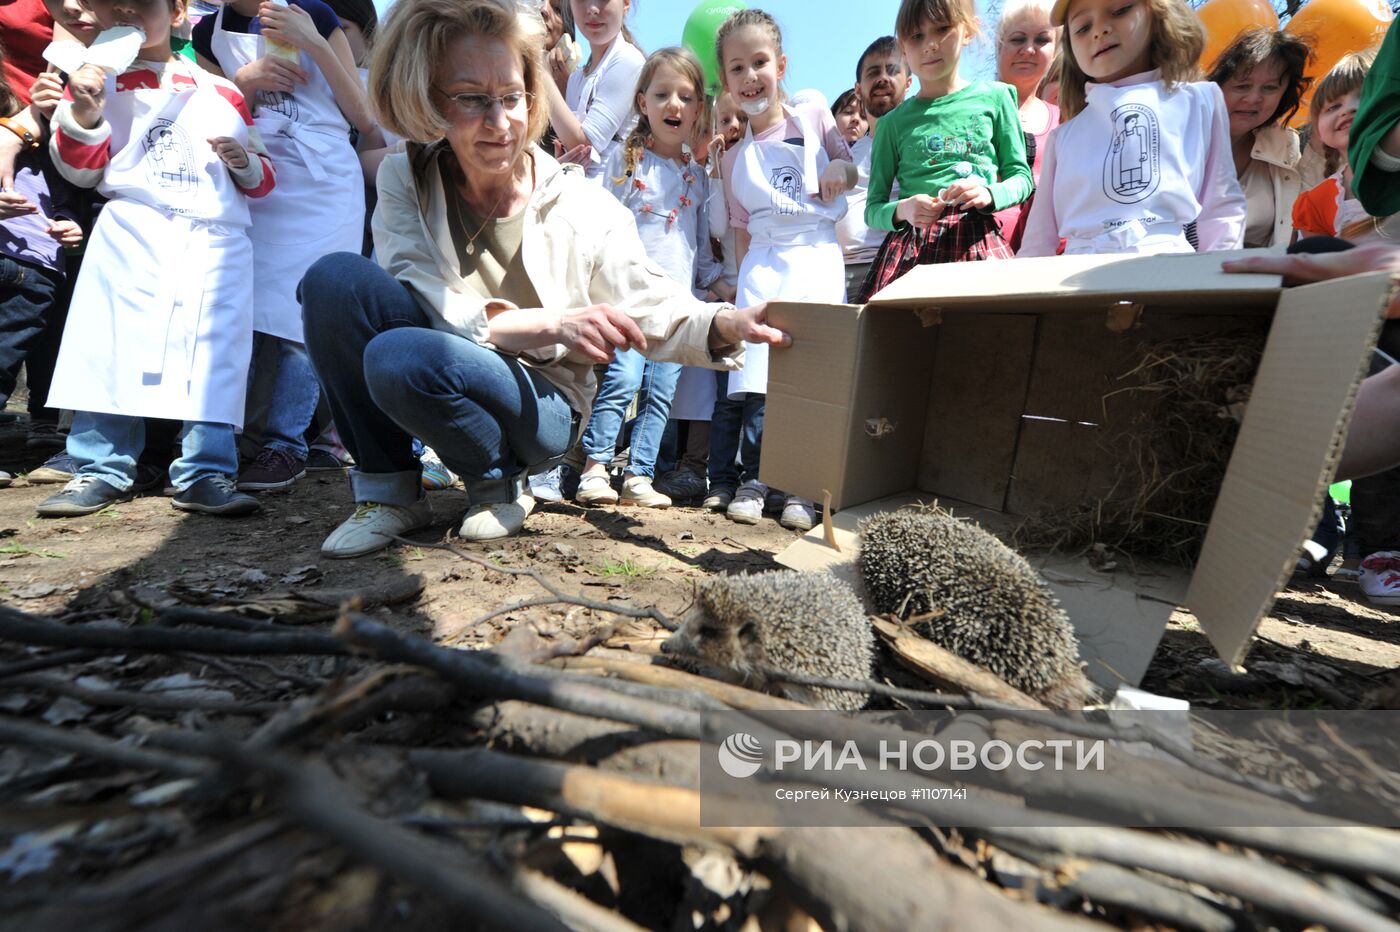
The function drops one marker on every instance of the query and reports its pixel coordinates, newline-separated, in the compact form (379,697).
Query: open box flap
(1118,616)
(1318,350)
(1191,280)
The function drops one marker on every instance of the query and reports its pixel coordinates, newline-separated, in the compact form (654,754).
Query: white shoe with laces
(747,506)
(373,527)
(638,490)
(494,521)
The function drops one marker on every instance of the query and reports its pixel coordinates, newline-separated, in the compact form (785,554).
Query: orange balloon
(1226,19)
(1335,28)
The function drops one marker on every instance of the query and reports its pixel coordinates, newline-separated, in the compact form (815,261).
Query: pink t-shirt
(790,130)
(1012,220)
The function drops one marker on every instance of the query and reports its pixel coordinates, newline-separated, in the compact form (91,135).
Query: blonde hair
(1347,75)
(739,20)
(953,12)
(1013,10)
(413,39)
(1178,38)
(684,62)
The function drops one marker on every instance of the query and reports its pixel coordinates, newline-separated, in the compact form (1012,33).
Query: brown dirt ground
(1322,645)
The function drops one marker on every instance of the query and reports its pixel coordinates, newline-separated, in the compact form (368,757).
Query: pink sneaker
(1380,578)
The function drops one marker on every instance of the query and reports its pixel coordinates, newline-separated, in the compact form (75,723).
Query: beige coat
(580,247)
(1276,151)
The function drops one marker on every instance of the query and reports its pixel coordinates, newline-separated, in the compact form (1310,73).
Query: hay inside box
(1014,393)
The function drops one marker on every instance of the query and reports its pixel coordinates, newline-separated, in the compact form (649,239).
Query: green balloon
(699,35)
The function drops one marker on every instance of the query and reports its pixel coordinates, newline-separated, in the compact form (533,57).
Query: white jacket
(1276,151)
(579,247)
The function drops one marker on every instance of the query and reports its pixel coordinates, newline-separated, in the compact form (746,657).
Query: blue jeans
(26,293)
(108,446)
(736,436)
(295,394)
(630,373)
(389,377)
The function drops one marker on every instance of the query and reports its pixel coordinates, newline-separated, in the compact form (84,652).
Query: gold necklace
(462,220)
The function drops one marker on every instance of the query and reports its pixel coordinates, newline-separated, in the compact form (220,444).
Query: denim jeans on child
(736,436)
(26,293)
(654,383)
(295,393)
(389,377)
(108,446)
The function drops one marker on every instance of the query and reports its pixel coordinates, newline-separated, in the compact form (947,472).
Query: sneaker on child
(374,526)
(718,499)
(548,486)
(436,476)
(681,485)
(1380,578)
(273,468)
(215,495)
(638,490)
(57,469)
(46,437)
(747,506)
(595,487)
(83,495)
(319,460)
(799,514)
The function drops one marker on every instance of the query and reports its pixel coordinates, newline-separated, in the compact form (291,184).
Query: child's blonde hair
(684,62)
(1347,75)
(953,12)
(1178,38)
(739,20)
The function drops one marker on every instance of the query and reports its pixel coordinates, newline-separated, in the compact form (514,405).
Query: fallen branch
(46,661)
(943,666)
(27,629)
(1268,885)
(560,596)
(97,747)
(573,909)
(139,700)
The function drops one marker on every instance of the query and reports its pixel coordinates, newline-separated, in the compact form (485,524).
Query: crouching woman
(504,279)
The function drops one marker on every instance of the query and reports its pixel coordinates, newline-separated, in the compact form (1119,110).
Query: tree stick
(27,629)
(97,747)
(653,674)
(943,666)
(573,909)
(1268,885)
(44,661)
(139,700)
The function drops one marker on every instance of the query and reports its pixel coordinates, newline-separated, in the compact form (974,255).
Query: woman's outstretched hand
(1304,268)
(598,332)
(747,324)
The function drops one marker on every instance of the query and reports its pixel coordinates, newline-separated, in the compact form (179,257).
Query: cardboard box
(984,384)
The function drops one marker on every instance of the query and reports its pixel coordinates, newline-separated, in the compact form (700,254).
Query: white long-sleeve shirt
(603,101)
(1134,168)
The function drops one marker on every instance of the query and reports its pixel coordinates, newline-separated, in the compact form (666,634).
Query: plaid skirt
(962,236)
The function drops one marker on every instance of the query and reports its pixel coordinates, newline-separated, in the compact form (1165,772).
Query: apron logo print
(170,158)
(279,102)
(1131,170)
(787,189)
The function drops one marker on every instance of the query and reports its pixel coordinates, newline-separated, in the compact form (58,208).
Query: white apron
(793,253)
(162,316)
(318,205)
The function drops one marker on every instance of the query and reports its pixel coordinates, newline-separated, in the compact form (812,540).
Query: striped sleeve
(258,178)
(80,154)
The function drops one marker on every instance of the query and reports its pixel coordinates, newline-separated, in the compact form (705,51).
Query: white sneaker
(373,526)
(798,514)
(494,521)
(637,490)
(747,506)
(1380,578)
(595,487)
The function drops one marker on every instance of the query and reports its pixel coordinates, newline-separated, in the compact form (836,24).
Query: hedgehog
(809,623)
(982,600)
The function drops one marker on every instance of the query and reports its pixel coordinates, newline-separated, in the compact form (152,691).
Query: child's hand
(45,93)
(578,155)
(968,194)
(289,24)
(723,291)
(833,182)
(269,74)
(230,151)
(88,85)
(919,211)
(67,232)
(13,204)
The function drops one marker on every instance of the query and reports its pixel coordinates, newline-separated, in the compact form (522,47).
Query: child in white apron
(161,318)
(785,188)
(317,208)
(667,191)
(1144,152)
